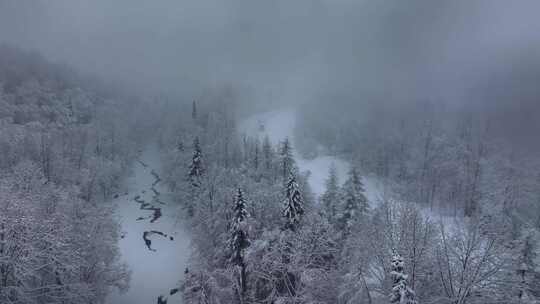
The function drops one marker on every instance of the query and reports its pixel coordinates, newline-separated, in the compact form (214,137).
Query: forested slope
(453,157)
(65,143)
(260,236)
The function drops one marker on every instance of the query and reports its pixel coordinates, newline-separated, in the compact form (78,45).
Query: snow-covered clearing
(153,245)
(279,125)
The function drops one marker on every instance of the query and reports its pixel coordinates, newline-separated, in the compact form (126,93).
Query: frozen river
(154,244)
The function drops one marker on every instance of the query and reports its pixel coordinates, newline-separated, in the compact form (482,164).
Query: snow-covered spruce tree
(286,158)
(239,241)
(294,204)
(527,267)
(194,178)
(256,155)
(401,292)
(354,199)
(330,198)
(196,167)
(194,110)
(267,153)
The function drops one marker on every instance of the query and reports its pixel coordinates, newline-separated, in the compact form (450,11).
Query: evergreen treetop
(401,292)
(196,167)
(355,201)
(330,198)
(286,158)
(239,239)
(294,205)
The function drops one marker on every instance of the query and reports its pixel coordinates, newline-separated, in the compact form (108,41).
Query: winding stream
(153,244)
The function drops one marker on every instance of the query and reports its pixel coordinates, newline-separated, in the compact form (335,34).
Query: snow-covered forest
(269,152)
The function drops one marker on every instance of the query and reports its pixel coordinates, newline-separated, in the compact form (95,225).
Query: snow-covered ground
(157,268)
(280,124)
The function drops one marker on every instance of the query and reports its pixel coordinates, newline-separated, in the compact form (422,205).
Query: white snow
(153,273)
(319,168)
(280,124)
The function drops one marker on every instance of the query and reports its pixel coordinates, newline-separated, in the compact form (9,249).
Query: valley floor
(153,243)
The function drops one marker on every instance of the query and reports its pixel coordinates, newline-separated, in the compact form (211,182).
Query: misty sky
(293,48)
